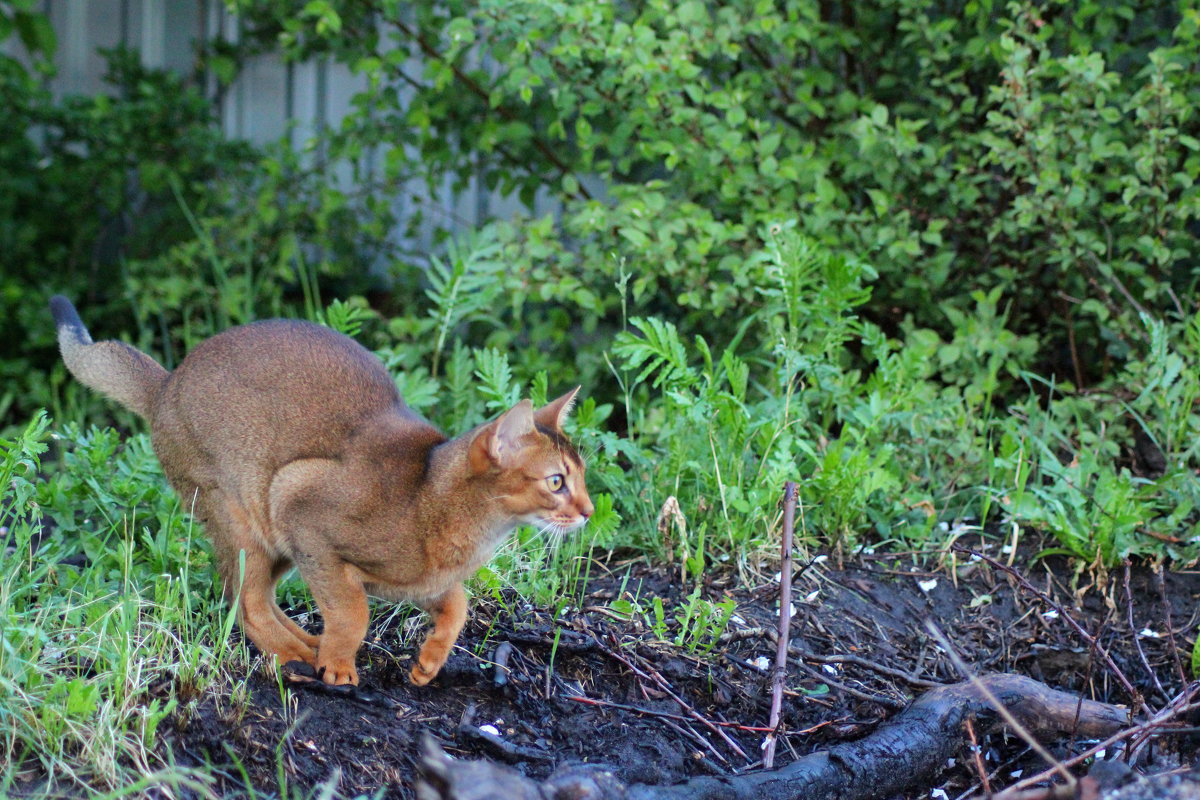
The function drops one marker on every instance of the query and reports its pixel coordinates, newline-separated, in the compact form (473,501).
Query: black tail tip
(64,313)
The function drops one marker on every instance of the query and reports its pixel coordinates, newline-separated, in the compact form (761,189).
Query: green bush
(102,603)
(88,187)
(912,256)
(937,265)
(134,203)
(1018,179)
(1046,153)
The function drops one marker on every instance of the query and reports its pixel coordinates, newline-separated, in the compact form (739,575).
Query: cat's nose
(587,509)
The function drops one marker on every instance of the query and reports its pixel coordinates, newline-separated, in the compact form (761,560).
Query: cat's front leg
(340,595)
(449,612)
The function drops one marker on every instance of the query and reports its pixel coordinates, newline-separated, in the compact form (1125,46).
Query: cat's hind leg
(249,574)
(280,569)
(303,517)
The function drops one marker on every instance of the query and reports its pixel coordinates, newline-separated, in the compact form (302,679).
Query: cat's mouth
(557,526)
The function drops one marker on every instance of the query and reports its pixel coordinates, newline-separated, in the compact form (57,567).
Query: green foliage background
(918,257)
(937,263)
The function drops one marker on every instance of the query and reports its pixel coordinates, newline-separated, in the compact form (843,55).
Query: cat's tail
(115,369)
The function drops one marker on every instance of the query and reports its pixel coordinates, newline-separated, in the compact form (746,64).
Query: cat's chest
(449,560)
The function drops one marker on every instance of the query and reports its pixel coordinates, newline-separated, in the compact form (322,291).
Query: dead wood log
(905,752)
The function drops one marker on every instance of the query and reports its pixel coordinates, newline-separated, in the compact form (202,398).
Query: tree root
(905,752)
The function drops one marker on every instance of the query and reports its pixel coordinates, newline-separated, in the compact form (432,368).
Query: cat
(292,445)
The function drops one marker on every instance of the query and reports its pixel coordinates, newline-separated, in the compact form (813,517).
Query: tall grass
(104,613)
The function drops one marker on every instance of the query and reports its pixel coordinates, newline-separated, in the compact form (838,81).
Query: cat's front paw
(337,672)
(422,674)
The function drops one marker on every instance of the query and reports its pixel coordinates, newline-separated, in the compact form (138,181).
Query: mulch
(594,684)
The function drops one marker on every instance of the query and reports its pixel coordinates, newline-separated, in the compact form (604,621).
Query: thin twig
(1160,582)
(977,756)
(882,669)
(662,684)
(879,699)
(684,729)
(780,84)
(1112,276)
(779,676)
(1135,696)
(1133,632)
(594,701)
(1179,707)
(995,703)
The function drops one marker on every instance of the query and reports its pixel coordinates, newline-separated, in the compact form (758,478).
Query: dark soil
(591,686)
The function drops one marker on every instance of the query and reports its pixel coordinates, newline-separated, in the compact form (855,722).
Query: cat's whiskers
(586,454)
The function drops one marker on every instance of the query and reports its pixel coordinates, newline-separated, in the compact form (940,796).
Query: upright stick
(779,676)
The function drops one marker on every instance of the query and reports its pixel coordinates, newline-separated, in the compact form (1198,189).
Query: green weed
(696,624)
(94,610)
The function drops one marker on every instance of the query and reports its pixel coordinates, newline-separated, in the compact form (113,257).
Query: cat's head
(535,475)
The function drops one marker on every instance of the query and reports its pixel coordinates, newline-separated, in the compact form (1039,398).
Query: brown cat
(293,446)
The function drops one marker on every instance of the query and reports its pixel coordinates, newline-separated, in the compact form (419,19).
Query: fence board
(269,100)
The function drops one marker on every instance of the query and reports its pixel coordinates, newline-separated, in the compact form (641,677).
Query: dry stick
(993,775)
(835,658)
(685,729)
(779,677)
(883,700)
(1160,582)
(1120,286)
(1087,675)
(1134,694)
(995,703)
(595,701)
(850,658)
(666,687)
(1137,640)
(1180,706)
(977,755)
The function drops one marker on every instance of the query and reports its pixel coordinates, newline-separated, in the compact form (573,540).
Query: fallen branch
(906,752)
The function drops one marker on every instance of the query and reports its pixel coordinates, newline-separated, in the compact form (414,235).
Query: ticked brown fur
(293,446)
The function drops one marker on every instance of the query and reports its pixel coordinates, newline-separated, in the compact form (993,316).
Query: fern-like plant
(462,284)
(658,350)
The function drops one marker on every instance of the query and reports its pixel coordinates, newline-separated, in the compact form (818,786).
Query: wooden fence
(269,100)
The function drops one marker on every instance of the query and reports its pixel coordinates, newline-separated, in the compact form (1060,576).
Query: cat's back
(289,361)
(270,392)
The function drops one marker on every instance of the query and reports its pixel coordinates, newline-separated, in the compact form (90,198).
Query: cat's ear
(498,441)
(554,413)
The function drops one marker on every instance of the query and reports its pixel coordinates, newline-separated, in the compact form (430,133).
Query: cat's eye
(556,483)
